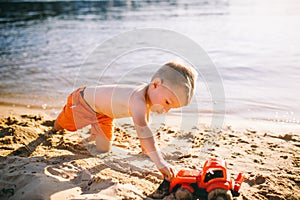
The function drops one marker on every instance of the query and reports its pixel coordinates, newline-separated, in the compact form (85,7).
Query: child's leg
(103,141)
(102,144)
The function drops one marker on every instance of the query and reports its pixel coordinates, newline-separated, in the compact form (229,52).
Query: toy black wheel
(220,194)
(183,194)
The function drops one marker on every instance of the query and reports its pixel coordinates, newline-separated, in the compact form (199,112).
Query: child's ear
(156,82)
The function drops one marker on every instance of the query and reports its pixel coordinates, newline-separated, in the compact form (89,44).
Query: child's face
(162,98)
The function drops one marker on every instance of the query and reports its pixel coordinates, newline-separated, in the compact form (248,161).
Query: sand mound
(34,165)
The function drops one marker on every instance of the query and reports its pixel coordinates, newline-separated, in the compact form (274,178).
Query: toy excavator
(212,182)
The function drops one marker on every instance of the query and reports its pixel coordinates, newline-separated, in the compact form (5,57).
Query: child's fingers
(168,173)
(163,154)
(172,172)
(168,177)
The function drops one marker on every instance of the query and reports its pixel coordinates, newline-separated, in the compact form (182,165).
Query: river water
(254,45)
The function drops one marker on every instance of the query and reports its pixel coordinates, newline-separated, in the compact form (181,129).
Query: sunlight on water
(255,46)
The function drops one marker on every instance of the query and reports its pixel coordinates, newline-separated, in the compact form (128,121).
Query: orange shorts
(77,114)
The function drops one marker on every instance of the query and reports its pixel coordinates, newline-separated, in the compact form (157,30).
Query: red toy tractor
(213,182)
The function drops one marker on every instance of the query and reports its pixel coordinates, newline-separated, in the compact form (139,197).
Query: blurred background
(255,45)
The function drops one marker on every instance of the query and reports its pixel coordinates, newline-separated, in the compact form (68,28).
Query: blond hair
(178,76)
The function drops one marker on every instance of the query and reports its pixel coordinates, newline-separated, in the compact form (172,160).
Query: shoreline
(187,120)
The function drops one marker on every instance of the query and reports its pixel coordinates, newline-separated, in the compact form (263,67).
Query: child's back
(115,101)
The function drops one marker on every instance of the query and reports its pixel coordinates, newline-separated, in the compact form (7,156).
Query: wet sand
(34,165)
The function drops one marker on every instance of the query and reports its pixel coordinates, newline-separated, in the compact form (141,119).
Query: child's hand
(167,172)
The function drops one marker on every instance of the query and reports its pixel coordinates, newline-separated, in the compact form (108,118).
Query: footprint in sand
(69,172)
(57,173)
(62,174)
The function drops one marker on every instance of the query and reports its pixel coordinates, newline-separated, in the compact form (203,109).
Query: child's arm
(149,145)
(152,150)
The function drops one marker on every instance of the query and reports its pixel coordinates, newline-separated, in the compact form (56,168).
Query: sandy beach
(247,57)
(34,165)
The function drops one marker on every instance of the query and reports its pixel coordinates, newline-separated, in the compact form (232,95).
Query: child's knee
(102,149)
(103,145)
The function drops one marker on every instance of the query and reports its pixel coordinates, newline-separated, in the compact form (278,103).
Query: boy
(172,86)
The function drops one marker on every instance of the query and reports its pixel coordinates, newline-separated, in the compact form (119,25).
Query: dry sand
(63,166)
